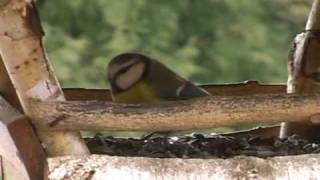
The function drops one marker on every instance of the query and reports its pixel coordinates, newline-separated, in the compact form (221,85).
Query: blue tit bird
(136,78)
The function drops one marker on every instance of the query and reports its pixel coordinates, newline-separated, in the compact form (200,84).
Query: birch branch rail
(240,167)
(200,113)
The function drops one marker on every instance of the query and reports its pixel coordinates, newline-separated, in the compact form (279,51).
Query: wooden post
(24,158)
(304,71)
(22,155)
(30,72)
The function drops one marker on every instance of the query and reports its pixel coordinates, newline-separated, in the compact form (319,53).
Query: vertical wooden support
(304,71)
(22,155)
(30,72)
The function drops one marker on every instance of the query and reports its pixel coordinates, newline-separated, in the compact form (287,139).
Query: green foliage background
(207,41)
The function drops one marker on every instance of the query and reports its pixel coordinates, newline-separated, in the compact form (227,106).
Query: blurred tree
(208,41)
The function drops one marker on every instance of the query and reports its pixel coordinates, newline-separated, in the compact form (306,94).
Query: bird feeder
(40,122)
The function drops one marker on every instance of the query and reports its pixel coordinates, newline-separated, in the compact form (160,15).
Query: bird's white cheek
(130,77)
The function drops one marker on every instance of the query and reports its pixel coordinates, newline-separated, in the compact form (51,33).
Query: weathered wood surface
(200,113)
(304,71)
(112,167)
(238,89)
(22,155)
(245,88)
(25,60)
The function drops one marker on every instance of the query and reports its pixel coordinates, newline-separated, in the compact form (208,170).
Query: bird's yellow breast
(139,93)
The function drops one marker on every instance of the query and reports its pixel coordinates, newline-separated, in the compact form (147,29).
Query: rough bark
(241,167)
(241,89)
(199,113)
(22,155)
(304,71)
(29,70)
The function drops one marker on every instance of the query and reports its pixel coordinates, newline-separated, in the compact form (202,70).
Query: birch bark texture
(28,67)
(304,71)
(22,155)
(241,167)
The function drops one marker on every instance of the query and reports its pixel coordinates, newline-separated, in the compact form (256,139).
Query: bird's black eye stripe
(124,70)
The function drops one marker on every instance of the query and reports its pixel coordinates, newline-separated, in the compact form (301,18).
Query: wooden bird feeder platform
(40,121)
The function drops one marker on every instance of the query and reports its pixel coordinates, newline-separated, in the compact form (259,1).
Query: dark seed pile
(201,146)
